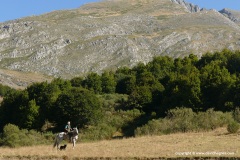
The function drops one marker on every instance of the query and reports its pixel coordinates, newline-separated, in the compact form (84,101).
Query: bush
(182,119)
(233,127)
(13,137)
(236,114)
(211,119)
(100,132)
(121,118)
(185,120)
(177,120)
(114,101)
(154,127)
(111,124)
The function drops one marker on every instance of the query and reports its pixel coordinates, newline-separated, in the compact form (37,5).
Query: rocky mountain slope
(113,33)
(232,15)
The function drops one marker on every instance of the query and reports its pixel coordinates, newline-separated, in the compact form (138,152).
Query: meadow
(210,145)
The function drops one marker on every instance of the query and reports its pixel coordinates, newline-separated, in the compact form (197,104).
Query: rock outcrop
(231,14)
(189,6)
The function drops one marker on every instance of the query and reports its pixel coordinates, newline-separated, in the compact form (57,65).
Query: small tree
(80,106)
(93,82)
(32,112)
(108,83)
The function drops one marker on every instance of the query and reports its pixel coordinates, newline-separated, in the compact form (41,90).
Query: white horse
(73,135)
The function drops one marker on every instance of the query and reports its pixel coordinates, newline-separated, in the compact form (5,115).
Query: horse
(73,135)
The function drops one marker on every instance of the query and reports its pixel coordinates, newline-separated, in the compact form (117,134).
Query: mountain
(188,6)
(232,15)
(113,33)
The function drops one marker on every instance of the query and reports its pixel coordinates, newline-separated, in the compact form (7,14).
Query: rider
(68,130)
(68,127)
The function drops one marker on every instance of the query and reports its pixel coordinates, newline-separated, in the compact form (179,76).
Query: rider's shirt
(68,127)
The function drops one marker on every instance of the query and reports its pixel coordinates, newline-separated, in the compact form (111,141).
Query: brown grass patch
(217,143)
(20,80)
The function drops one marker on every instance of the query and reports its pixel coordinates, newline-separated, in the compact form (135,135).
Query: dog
(63,147)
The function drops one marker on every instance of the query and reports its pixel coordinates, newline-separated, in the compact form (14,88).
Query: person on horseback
(68,130)
(68,127)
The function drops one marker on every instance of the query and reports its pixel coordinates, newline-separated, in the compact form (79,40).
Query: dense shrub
(236,114)
(154,127)
(111,123)
(185,120)
(211,119)
(99,132)
(177,120)
(113,101)
(12,136)
(182,119)
(233,127)
(5,90)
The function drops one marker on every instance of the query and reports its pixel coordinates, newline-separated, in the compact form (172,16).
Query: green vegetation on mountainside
(163,96)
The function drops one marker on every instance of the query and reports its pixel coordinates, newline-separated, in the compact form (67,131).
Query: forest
(163,96)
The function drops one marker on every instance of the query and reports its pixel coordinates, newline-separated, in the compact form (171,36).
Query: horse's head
(75,130)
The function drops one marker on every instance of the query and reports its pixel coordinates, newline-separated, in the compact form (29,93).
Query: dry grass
(20,80)
(216,143)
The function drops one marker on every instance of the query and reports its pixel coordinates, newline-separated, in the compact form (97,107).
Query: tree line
(151,89)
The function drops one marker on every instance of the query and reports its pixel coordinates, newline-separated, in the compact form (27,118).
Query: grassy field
(217,143)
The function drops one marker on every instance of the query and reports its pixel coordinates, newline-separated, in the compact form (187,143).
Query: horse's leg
(59,141)
(73,142)
(56,142)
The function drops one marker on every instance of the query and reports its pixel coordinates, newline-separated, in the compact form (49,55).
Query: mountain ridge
(189,6)
(231,14)
(113,33)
